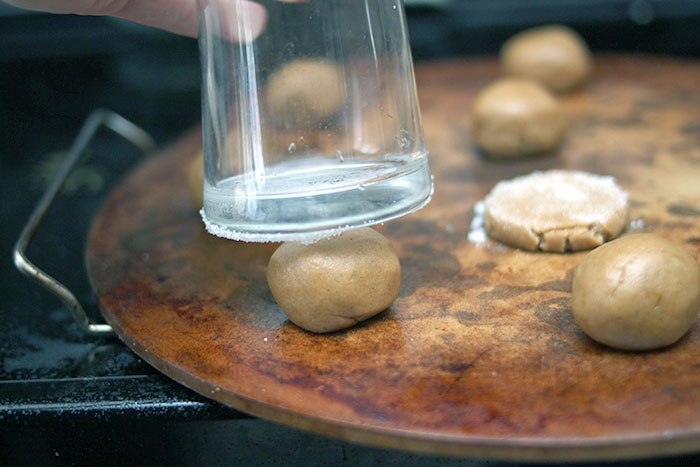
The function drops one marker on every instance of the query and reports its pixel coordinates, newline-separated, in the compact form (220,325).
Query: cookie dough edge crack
(597,232)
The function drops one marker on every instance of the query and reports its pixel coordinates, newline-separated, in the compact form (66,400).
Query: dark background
(69,399)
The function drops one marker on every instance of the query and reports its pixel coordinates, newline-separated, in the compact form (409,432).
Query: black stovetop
(68,398)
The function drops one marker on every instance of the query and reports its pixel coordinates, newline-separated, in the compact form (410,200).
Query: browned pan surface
(480,354)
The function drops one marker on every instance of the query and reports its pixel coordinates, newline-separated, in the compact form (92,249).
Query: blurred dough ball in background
(515,117)
(303,93)
(555,56)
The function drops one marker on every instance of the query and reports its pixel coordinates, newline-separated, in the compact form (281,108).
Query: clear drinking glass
(311,124)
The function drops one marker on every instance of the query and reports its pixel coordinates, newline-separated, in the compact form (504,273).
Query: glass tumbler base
(329,198)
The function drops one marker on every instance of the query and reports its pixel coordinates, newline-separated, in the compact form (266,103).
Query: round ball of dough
(304,93)
(337,282)
(515,117)
(195,180)
(556,56)
(638,292)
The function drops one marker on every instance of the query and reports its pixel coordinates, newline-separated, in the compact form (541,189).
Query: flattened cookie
(556,210)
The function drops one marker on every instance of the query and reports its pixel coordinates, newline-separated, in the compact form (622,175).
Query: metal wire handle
(128,131)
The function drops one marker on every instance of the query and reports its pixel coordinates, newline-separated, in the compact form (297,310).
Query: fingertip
(241,20)
(258,15)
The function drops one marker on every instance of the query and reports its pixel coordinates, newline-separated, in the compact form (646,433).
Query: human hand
(178,16)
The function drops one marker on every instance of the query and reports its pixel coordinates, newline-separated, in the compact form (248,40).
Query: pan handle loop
(95,120)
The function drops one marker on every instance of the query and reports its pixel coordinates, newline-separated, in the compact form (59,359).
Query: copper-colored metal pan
(479,356)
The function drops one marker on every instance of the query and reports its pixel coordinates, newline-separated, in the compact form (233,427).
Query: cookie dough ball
(304,93)
(557,210)
(337,282)
(639,292)
(556,56)
(195,180)
(515,117)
